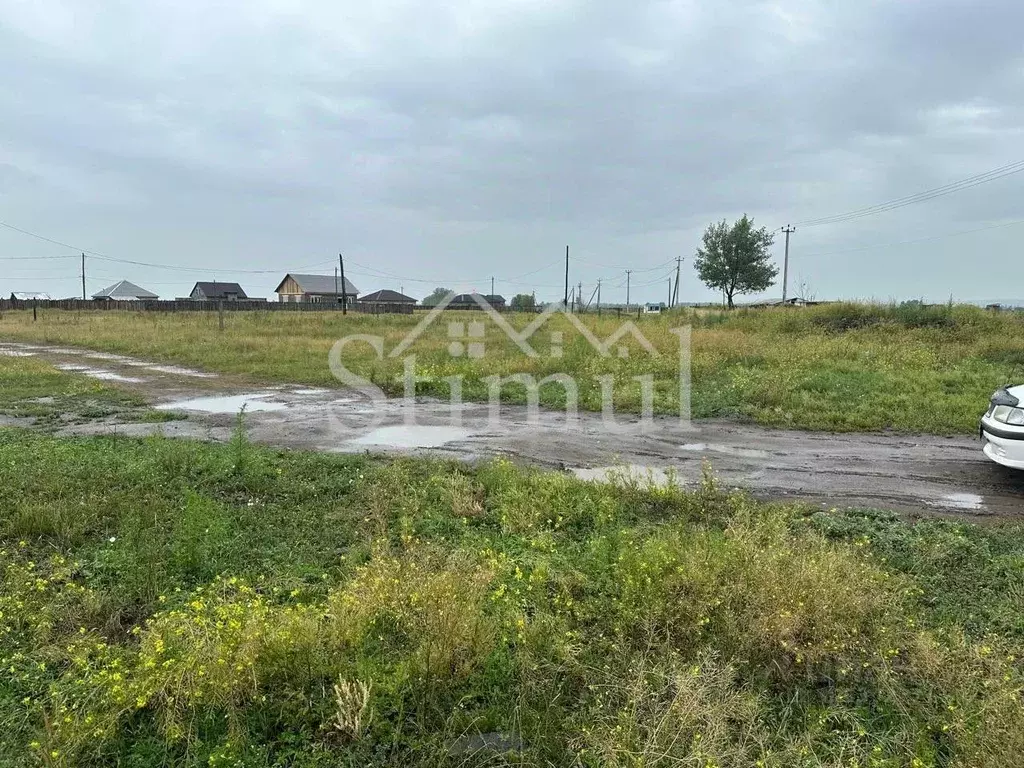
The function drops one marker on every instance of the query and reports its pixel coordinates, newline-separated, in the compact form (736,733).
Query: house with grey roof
(124,291)
(30,296)
(316,288)
(386,296)
(469,301)
(217,291)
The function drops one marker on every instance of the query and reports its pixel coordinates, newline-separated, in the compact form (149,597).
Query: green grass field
(167,602)
(838,367)
(173,603)
(31,388)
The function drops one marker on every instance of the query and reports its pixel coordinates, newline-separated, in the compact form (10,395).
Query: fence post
(220,313)
(35,303)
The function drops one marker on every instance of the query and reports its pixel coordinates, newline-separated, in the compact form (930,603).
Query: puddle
(628,474)
(106,356)
(16,353)
(410,436)
(310,391)
(223,404)
(96,373)
(728,450)
(72,367)
(175,370)
(178,371)
(967,501)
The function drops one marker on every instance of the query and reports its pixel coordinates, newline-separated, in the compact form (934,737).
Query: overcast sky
(445,142)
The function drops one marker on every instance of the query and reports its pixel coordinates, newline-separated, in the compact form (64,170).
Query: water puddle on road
(310,391)
(16,353)
(97,373)
(410,436)
(175,370)
(727,450)
(179,371)
(224,404)
(965,501)
(72,367)
(628,474)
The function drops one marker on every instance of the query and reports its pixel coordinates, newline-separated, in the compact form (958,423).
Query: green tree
(735,259)
(523,302)
(436,297)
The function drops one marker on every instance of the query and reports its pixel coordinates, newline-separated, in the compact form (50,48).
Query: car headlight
(1007,414)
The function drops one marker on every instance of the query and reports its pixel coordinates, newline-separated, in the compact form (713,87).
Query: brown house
(315,288)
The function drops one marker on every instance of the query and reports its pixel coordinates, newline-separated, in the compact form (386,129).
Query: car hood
(1017,391)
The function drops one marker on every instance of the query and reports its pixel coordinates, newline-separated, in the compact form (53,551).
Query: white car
(1002,427)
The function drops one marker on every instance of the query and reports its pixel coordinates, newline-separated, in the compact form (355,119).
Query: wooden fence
(188,305)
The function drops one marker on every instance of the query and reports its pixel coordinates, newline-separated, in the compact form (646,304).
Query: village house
(315,288)
(386,296)
(124,291)
(469,301)
(30,296)
(217,291)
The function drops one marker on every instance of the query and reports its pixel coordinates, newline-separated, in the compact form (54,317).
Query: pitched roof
(386,296)
(219,290)
(468,298)
(28,295)
(320,284)
(124,290)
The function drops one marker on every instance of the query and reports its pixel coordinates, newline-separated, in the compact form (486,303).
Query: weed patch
(166,602)
(840,367)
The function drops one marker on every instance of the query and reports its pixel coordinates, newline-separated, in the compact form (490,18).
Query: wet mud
(920,475)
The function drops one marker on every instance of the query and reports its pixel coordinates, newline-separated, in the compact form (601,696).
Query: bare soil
(919,475)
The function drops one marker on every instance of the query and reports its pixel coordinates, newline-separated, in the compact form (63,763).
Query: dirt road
(915,474)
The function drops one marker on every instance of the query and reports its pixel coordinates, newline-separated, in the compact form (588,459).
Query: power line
(105,257)
(916,240)
(622,267)
(33,258)
(1002,171)
(361,269)
(656,280)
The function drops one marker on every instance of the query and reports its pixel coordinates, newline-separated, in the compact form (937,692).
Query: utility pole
(579,296)
(565,301)
(344,301)
(674,301)
(335,281)
(785,264)
(670,291)
(598,298)
(628,273)
(83,277)
(492,285)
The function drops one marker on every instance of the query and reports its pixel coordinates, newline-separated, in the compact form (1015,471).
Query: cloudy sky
(442,143)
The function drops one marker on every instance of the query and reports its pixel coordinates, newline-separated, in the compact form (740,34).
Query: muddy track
(921,475)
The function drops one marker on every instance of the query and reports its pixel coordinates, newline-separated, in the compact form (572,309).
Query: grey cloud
(447,139)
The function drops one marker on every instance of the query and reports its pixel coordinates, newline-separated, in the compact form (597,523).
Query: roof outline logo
(522,338)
